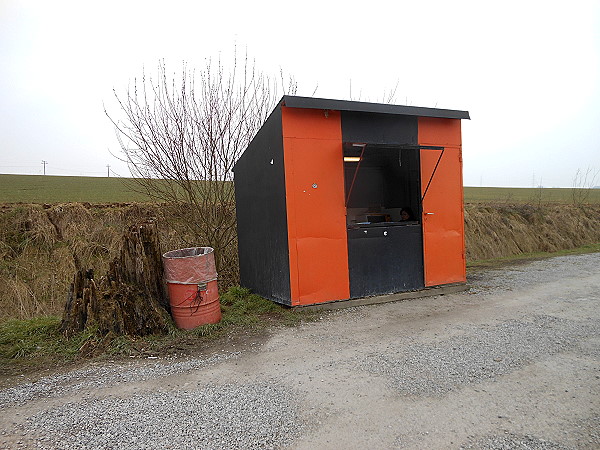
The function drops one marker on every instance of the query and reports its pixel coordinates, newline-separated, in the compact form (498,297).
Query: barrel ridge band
(193,282)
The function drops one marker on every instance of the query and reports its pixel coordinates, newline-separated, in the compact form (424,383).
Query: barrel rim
(208,251)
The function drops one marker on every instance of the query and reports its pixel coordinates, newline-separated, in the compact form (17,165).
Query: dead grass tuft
(42,246)
(39,229)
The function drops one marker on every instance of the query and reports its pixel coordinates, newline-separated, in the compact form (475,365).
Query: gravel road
(512,363)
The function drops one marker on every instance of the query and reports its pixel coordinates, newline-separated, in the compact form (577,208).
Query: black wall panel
(383,260)
(261,214)
(375,128)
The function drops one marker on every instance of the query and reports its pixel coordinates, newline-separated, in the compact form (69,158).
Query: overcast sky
(528,72)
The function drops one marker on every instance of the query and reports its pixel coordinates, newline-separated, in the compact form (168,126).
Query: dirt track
(512,363)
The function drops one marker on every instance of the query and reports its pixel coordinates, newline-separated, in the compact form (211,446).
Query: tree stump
(130,299)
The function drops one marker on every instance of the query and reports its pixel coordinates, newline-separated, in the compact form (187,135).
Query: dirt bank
(37,242)
(501,230)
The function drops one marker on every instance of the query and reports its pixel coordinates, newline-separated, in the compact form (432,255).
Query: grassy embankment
(37,244)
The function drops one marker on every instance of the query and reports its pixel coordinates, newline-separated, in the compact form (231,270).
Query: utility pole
(108,170)
(44,163)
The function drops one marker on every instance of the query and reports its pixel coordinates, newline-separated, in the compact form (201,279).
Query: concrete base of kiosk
(427,292)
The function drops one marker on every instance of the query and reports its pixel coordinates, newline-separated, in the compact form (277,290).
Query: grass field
(53,189)
(531,195)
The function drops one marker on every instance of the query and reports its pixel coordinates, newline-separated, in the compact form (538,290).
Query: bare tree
(181,135)
(583,183)
(388,96)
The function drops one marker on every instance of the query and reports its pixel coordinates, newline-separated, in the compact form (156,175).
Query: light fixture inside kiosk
(381,181)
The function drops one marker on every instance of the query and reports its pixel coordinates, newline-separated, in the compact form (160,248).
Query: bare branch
(181,139)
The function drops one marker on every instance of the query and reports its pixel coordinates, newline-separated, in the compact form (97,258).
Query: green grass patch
(30,345)
(242,309)
(21,338)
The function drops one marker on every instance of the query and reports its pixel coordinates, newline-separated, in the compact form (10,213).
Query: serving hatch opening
(380,181)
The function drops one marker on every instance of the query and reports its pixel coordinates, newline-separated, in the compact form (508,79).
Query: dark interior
(385,180)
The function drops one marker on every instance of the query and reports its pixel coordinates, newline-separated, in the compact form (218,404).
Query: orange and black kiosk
(320,194)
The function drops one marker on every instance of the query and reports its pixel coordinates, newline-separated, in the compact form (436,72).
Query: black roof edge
(292,101)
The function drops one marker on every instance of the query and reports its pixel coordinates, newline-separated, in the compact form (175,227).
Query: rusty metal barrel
(191,277)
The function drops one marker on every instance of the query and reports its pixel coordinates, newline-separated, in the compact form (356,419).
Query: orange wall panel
(314,177)
(439,132)
(443,217)
(312,124)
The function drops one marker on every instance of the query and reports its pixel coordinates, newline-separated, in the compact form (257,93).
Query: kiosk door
(442,190)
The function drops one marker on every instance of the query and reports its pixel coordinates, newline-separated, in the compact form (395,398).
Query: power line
(31,169)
